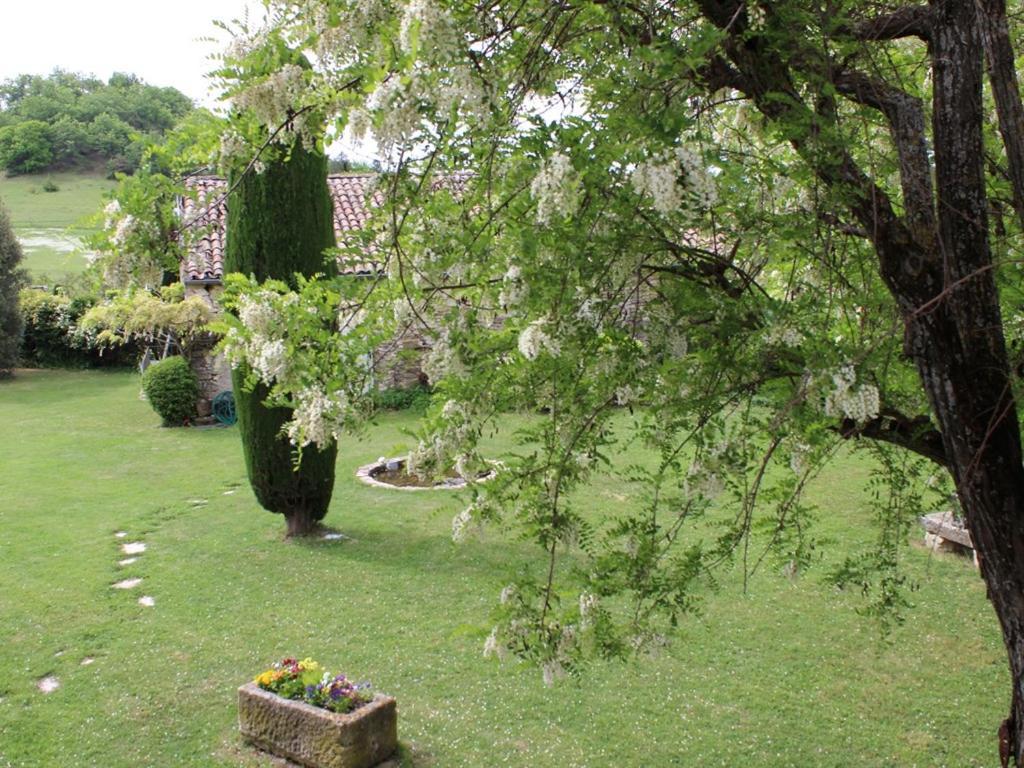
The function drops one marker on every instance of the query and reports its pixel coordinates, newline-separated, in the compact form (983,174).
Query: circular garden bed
(391,473)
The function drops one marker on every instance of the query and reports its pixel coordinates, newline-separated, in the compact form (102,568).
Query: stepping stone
(197,502)
(147,601)
(333,536)
(126,584)
(48,684)
(134,548)
(87,661)
(120,534)
(228,493)
(127,561)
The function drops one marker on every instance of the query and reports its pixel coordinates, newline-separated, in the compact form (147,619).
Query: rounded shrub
(172,389)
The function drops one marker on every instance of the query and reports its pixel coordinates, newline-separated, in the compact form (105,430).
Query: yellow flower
(265,678)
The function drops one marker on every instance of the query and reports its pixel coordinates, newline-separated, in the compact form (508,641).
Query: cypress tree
(279,224)
(11,279)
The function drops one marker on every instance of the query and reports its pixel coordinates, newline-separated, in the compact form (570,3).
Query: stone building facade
(397,364)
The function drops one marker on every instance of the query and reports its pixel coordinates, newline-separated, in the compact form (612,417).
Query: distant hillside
(69,121)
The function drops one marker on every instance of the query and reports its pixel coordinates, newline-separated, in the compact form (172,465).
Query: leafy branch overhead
(740,232)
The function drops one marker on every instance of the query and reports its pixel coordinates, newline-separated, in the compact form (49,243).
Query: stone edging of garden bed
(365,475)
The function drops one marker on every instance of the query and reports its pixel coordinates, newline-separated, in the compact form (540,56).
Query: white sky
(164,43)
(158,41)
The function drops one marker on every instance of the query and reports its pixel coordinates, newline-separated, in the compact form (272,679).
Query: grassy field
(785,675)
(51,225)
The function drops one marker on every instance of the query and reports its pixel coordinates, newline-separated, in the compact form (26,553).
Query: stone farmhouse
(202,273)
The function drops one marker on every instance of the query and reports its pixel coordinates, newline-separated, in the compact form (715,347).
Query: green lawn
(785,675)
(52,224)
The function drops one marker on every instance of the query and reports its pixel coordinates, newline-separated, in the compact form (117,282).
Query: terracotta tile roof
(204,259)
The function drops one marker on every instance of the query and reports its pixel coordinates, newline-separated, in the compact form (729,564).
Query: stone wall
(211,369)
(399,363)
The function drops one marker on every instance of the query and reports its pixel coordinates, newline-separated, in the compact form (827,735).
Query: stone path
(133,548)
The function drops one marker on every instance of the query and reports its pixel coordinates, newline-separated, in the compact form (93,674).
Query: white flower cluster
(461,90)
(244,44)
(341,33)
(626,395)
(534,340)
(316,418)
(704,480)
(493,645)
(426,455)
(233,147)
(798,458)
(442,360)
(271,360)
(126,227)
(435,32)
(784,335)
(589,312)
(274,100)
(110,211)
(659,178)
(514,289)
(755,17)
(461,522)
(844,401)
(588,604)
(400,104)
(556,189)
(262,346)
(258,315)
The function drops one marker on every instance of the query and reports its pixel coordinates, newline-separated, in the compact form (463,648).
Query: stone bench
(943,533)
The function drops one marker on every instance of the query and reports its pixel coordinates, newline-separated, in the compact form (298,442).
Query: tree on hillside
(26,147)
(11,280)
(75,121)
(762,227)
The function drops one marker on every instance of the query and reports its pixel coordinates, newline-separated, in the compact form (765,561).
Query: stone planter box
(316,737)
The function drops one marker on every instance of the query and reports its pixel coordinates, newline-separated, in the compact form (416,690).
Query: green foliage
(50,186)
(144,317)
(281,225)
(66,120)
(282,220)
(416,399)
(663,251)
(12,276)
(142,238)
(53,338)
(25,147)
(172,389)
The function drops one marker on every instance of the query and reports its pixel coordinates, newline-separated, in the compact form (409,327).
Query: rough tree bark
(958,345)
(935,258)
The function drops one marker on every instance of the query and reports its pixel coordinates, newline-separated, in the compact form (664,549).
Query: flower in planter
(307,681)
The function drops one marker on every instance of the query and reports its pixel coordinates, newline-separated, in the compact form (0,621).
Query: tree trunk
(956,339)
(301,522)
(1002,73)
(938,268)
